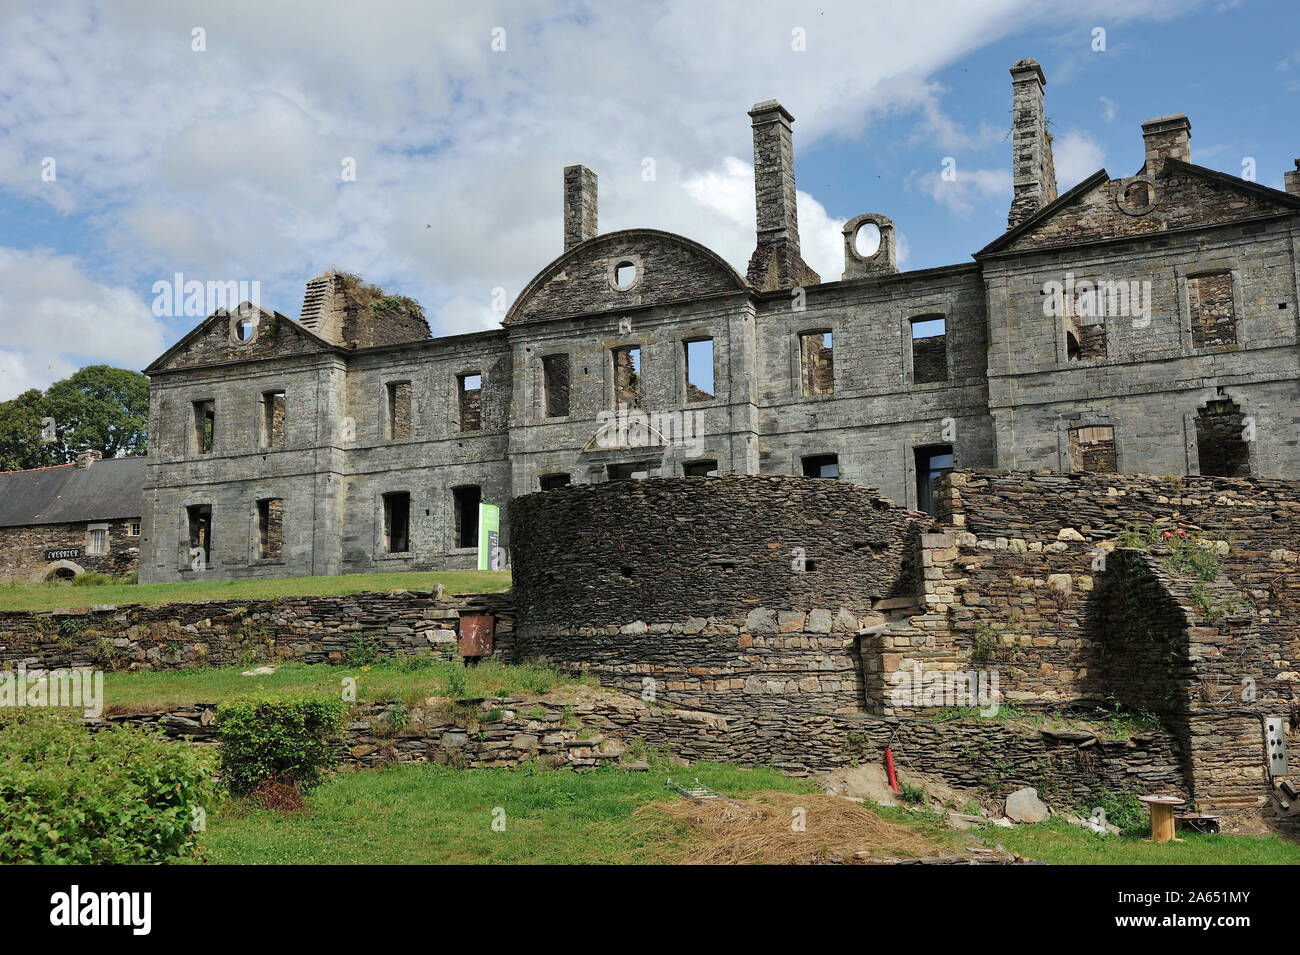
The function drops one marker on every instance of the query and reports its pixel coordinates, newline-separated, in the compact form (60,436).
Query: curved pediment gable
(220,339)
(1181,196)
(664,267)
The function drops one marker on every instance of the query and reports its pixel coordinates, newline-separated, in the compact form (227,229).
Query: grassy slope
(429,814)
(406,680)
(27,596)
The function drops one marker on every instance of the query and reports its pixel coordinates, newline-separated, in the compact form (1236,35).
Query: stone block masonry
(310,629)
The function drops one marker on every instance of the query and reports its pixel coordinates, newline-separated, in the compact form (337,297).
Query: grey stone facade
(1129,320)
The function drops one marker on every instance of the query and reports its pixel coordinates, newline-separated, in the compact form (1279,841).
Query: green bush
(113,797)
(92,578)
(264,739)
(1122,810)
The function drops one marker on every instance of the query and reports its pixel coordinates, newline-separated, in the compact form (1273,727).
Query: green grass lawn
(411,679)
(430,814)
(20,595)
(1056,841)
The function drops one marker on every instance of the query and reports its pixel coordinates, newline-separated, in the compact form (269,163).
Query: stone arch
(1217,436)
(57,568)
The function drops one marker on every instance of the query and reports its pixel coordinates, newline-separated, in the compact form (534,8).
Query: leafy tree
(98,407)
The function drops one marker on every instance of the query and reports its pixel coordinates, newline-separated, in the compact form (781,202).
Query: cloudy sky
(144,138)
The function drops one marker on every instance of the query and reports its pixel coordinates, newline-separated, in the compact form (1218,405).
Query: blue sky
(225,163)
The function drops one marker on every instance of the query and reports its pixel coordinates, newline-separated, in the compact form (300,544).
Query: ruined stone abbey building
(1145,323)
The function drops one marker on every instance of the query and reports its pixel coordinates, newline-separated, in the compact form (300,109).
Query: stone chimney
(776,262)
(88,456)
(323,306)
(1166,137)
(1033,174)
(579,205)
(1292,178)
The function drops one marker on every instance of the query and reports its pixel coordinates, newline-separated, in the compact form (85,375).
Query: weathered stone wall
(662,551)
(22,549)
(311,629)
(580,727)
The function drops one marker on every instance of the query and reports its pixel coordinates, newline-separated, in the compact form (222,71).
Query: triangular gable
(1186,196)
(214,342)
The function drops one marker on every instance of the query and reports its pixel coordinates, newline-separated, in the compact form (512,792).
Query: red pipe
(889,764)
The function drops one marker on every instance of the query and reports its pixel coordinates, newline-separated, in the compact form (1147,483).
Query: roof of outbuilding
(107,490)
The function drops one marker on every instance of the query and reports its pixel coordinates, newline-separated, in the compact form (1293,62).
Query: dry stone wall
(311,629)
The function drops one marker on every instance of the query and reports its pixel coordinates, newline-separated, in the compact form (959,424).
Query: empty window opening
(817,358)
(273,419)
(628,472)
(822,466)
(1138,196)
(205,418)
(245,329)
(929,349)
(270,528)
(398,424)
(624,275)
(470,387)
(99,542)
(397,522)
(199,519)
(466,501)
(866,241)
(931,462)
(551,482)
(1093,449)
(627,377)
(699,369)
(1209,300)
(1220,443)
(555,371)
(701,469)
(1085,328)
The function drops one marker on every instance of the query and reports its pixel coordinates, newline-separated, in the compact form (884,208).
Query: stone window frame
(263,436)
(549,472)
(232,327)
(134,528)
(1066,424)
(450,523)
(385,410)
(89,550)
(611,372)
(907,449)
(194,441)
(1226,263)
(1248,410)
(255,530)
(629,258)
(684,339)
(541,385)
(1063,344)
(183,538)
(703,459)
(935,308)
(796,360)
(463,372)
(382,554)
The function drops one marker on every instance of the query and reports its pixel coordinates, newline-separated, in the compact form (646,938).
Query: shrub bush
(264,739)
(116,796)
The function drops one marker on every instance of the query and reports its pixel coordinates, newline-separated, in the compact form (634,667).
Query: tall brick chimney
(776,262)
(88,456)
(1292,178)
(1033,174)
(579,205)
(1166,137)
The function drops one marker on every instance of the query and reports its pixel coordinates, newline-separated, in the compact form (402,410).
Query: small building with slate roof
(64,520)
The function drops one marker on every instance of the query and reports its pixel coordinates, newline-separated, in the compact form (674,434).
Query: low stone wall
(782,662)
(311,629)
(581,726)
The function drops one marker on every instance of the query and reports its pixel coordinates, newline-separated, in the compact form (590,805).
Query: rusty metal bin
(475,633)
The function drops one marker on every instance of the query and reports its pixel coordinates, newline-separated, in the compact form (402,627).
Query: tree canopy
(97,407)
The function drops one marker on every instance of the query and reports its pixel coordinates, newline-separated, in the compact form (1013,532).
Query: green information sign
(490,554)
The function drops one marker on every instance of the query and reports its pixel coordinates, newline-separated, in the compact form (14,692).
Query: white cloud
(52,313)
(1076,156)
(965,188)
(1109,108)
